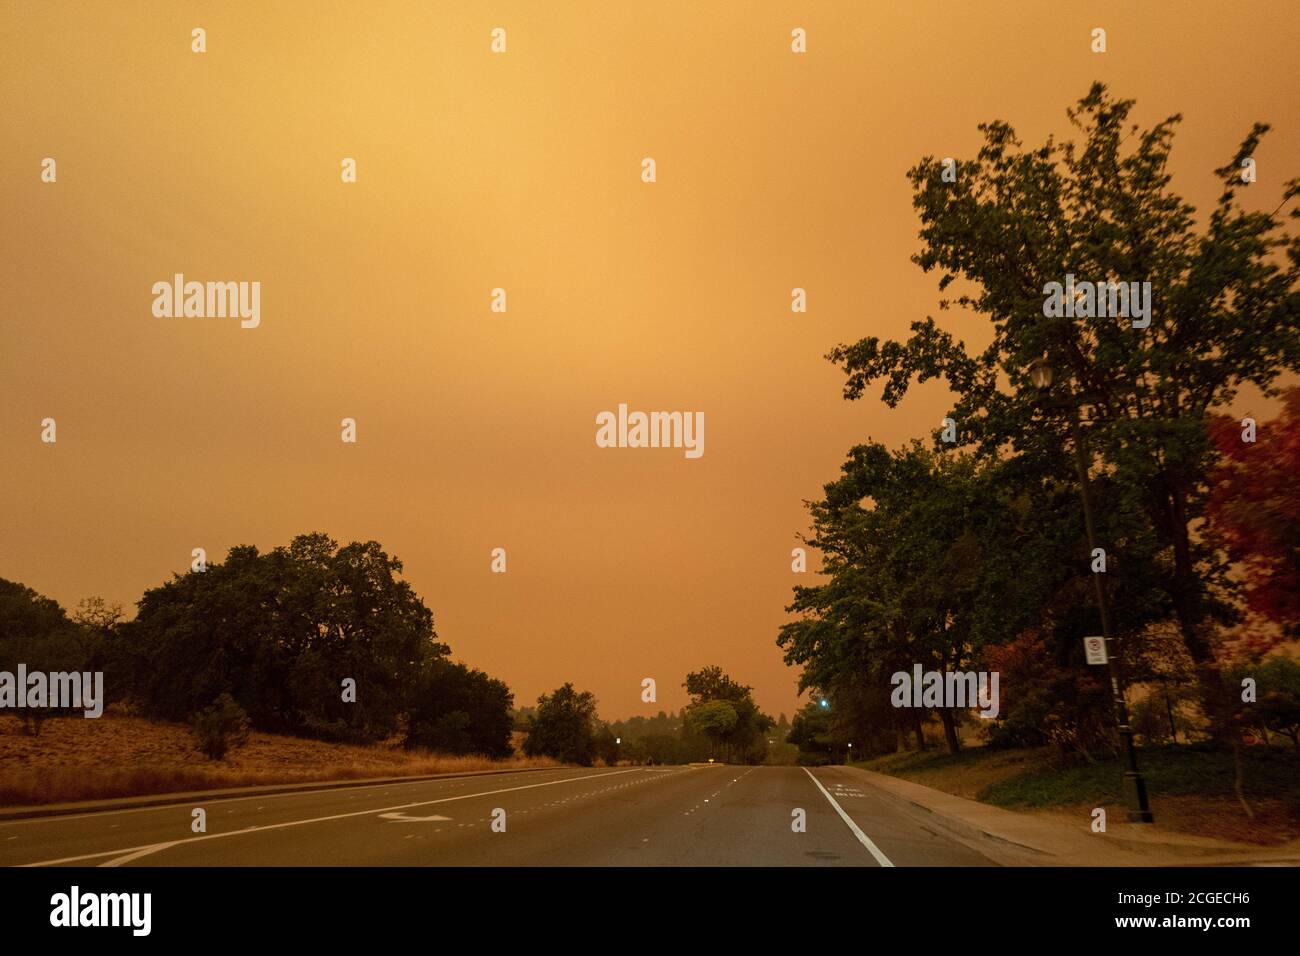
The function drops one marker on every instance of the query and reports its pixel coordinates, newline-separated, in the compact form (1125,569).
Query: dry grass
(1275,822)
(115,756)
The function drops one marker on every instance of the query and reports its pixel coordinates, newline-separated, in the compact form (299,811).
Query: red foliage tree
(1046,702)
(1254,507)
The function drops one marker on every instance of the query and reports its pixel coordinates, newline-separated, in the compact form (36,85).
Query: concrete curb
(956,825)
(231,793)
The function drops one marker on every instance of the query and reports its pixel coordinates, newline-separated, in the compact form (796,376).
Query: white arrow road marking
(134,851)
(143,851)
(403,818)
(857,832)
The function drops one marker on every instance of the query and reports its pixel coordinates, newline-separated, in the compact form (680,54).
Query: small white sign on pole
(1095,648)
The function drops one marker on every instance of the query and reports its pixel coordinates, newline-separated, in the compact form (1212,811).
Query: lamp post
(1135,790)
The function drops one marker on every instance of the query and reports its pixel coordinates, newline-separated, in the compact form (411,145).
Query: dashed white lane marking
(131,853)
(857,831)
(716,792)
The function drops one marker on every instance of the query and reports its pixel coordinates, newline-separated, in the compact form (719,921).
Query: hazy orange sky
(518,170)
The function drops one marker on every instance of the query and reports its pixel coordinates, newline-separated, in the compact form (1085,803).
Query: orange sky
(521,171)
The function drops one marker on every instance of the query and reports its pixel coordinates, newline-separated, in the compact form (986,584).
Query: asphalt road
(642,816)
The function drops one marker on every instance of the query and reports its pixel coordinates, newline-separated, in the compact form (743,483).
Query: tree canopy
(563,726)
(974,552)
(724,711)
(314,639)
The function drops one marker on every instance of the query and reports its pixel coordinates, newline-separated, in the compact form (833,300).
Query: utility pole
(1135,790)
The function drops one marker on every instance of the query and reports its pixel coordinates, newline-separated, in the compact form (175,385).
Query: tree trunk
(1214,696)
(1169,709)
(950,730)
(1236,784)
(918,727)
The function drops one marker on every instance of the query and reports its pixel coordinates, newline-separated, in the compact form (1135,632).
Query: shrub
(1044,702)
(219,727)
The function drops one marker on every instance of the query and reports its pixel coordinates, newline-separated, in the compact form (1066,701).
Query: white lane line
(134,852)
(857,831)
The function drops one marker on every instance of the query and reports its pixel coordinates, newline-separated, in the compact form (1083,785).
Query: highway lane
(642,816)
(24,842)
(908,839)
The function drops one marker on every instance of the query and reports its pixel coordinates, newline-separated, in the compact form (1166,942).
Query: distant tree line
(722,722)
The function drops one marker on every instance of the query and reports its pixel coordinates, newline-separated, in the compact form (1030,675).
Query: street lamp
(1040,374)
(1135,790)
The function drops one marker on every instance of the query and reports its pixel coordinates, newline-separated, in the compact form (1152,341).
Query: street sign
(1095,648)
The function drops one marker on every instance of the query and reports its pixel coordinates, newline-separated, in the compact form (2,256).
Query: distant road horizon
(692,815)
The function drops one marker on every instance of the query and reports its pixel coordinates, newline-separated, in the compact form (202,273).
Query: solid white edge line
(857,831)
(134,853)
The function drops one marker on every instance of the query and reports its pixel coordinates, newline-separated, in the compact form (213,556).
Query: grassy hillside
(1191,787)
(115,756)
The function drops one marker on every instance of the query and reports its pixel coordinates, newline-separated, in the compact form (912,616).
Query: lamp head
(1040,374)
